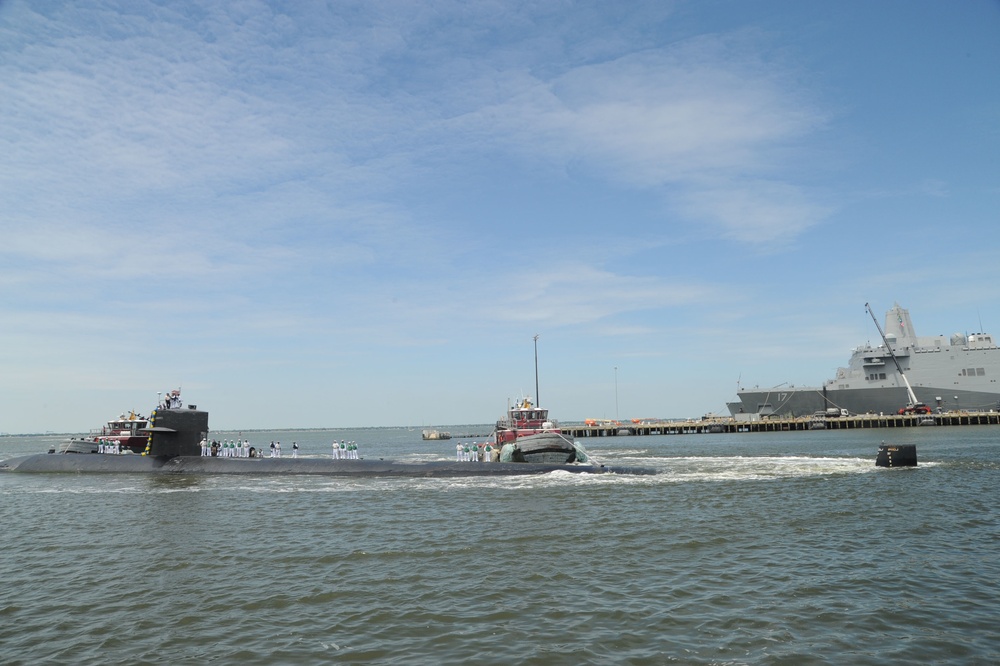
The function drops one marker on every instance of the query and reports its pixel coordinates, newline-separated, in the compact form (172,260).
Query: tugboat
(524,419)
(125,433)
(527,435)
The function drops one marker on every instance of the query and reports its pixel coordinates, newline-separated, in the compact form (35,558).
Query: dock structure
(781,424)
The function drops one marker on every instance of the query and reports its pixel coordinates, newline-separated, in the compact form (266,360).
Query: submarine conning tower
(176,432)
(896,455)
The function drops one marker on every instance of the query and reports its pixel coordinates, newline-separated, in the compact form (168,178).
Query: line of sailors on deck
(473,452)
(229,448)
(109,446)
(345,450)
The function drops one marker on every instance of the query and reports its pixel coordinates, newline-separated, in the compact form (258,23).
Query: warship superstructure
(947,374)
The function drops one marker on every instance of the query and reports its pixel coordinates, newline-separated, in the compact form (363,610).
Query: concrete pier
(776,424)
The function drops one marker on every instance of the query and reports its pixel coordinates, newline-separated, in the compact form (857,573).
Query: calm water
(747,549)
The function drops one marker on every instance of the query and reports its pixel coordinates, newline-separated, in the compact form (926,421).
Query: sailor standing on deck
(272,449)
(295,450)
(343,449)
(489,453)
(474,452)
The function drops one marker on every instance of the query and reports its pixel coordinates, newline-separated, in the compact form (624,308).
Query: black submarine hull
(96,463)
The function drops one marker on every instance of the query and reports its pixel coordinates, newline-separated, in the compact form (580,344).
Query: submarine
(173,446)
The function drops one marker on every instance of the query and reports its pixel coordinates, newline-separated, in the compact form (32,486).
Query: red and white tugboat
(125,433)
(524,419)
(527,435)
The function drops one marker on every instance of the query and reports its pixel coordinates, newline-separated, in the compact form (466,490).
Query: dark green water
(786,548)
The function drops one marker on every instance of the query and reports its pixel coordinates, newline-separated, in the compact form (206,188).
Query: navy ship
(960,373)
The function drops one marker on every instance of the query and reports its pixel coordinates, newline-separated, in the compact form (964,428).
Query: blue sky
(359,213)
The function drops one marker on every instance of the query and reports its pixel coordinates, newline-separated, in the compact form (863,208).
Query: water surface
(744,549)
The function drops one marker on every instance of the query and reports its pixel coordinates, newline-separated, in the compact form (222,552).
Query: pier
(779,424)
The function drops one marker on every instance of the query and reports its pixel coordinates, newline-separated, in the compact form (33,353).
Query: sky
(350,214)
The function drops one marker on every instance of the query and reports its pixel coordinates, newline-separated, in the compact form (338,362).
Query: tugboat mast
(538,400)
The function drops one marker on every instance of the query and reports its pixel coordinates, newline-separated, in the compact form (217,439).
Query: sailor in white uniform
(295,450)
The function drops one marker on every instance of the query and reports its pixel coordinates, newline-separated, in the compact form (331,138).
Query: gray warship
(947,374)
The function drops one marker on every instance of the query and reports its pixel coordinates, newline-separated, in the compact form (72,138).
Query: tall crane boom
(913,406)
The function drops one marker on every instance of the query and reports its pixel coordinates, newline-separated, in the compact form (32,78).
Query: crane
(913,407)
